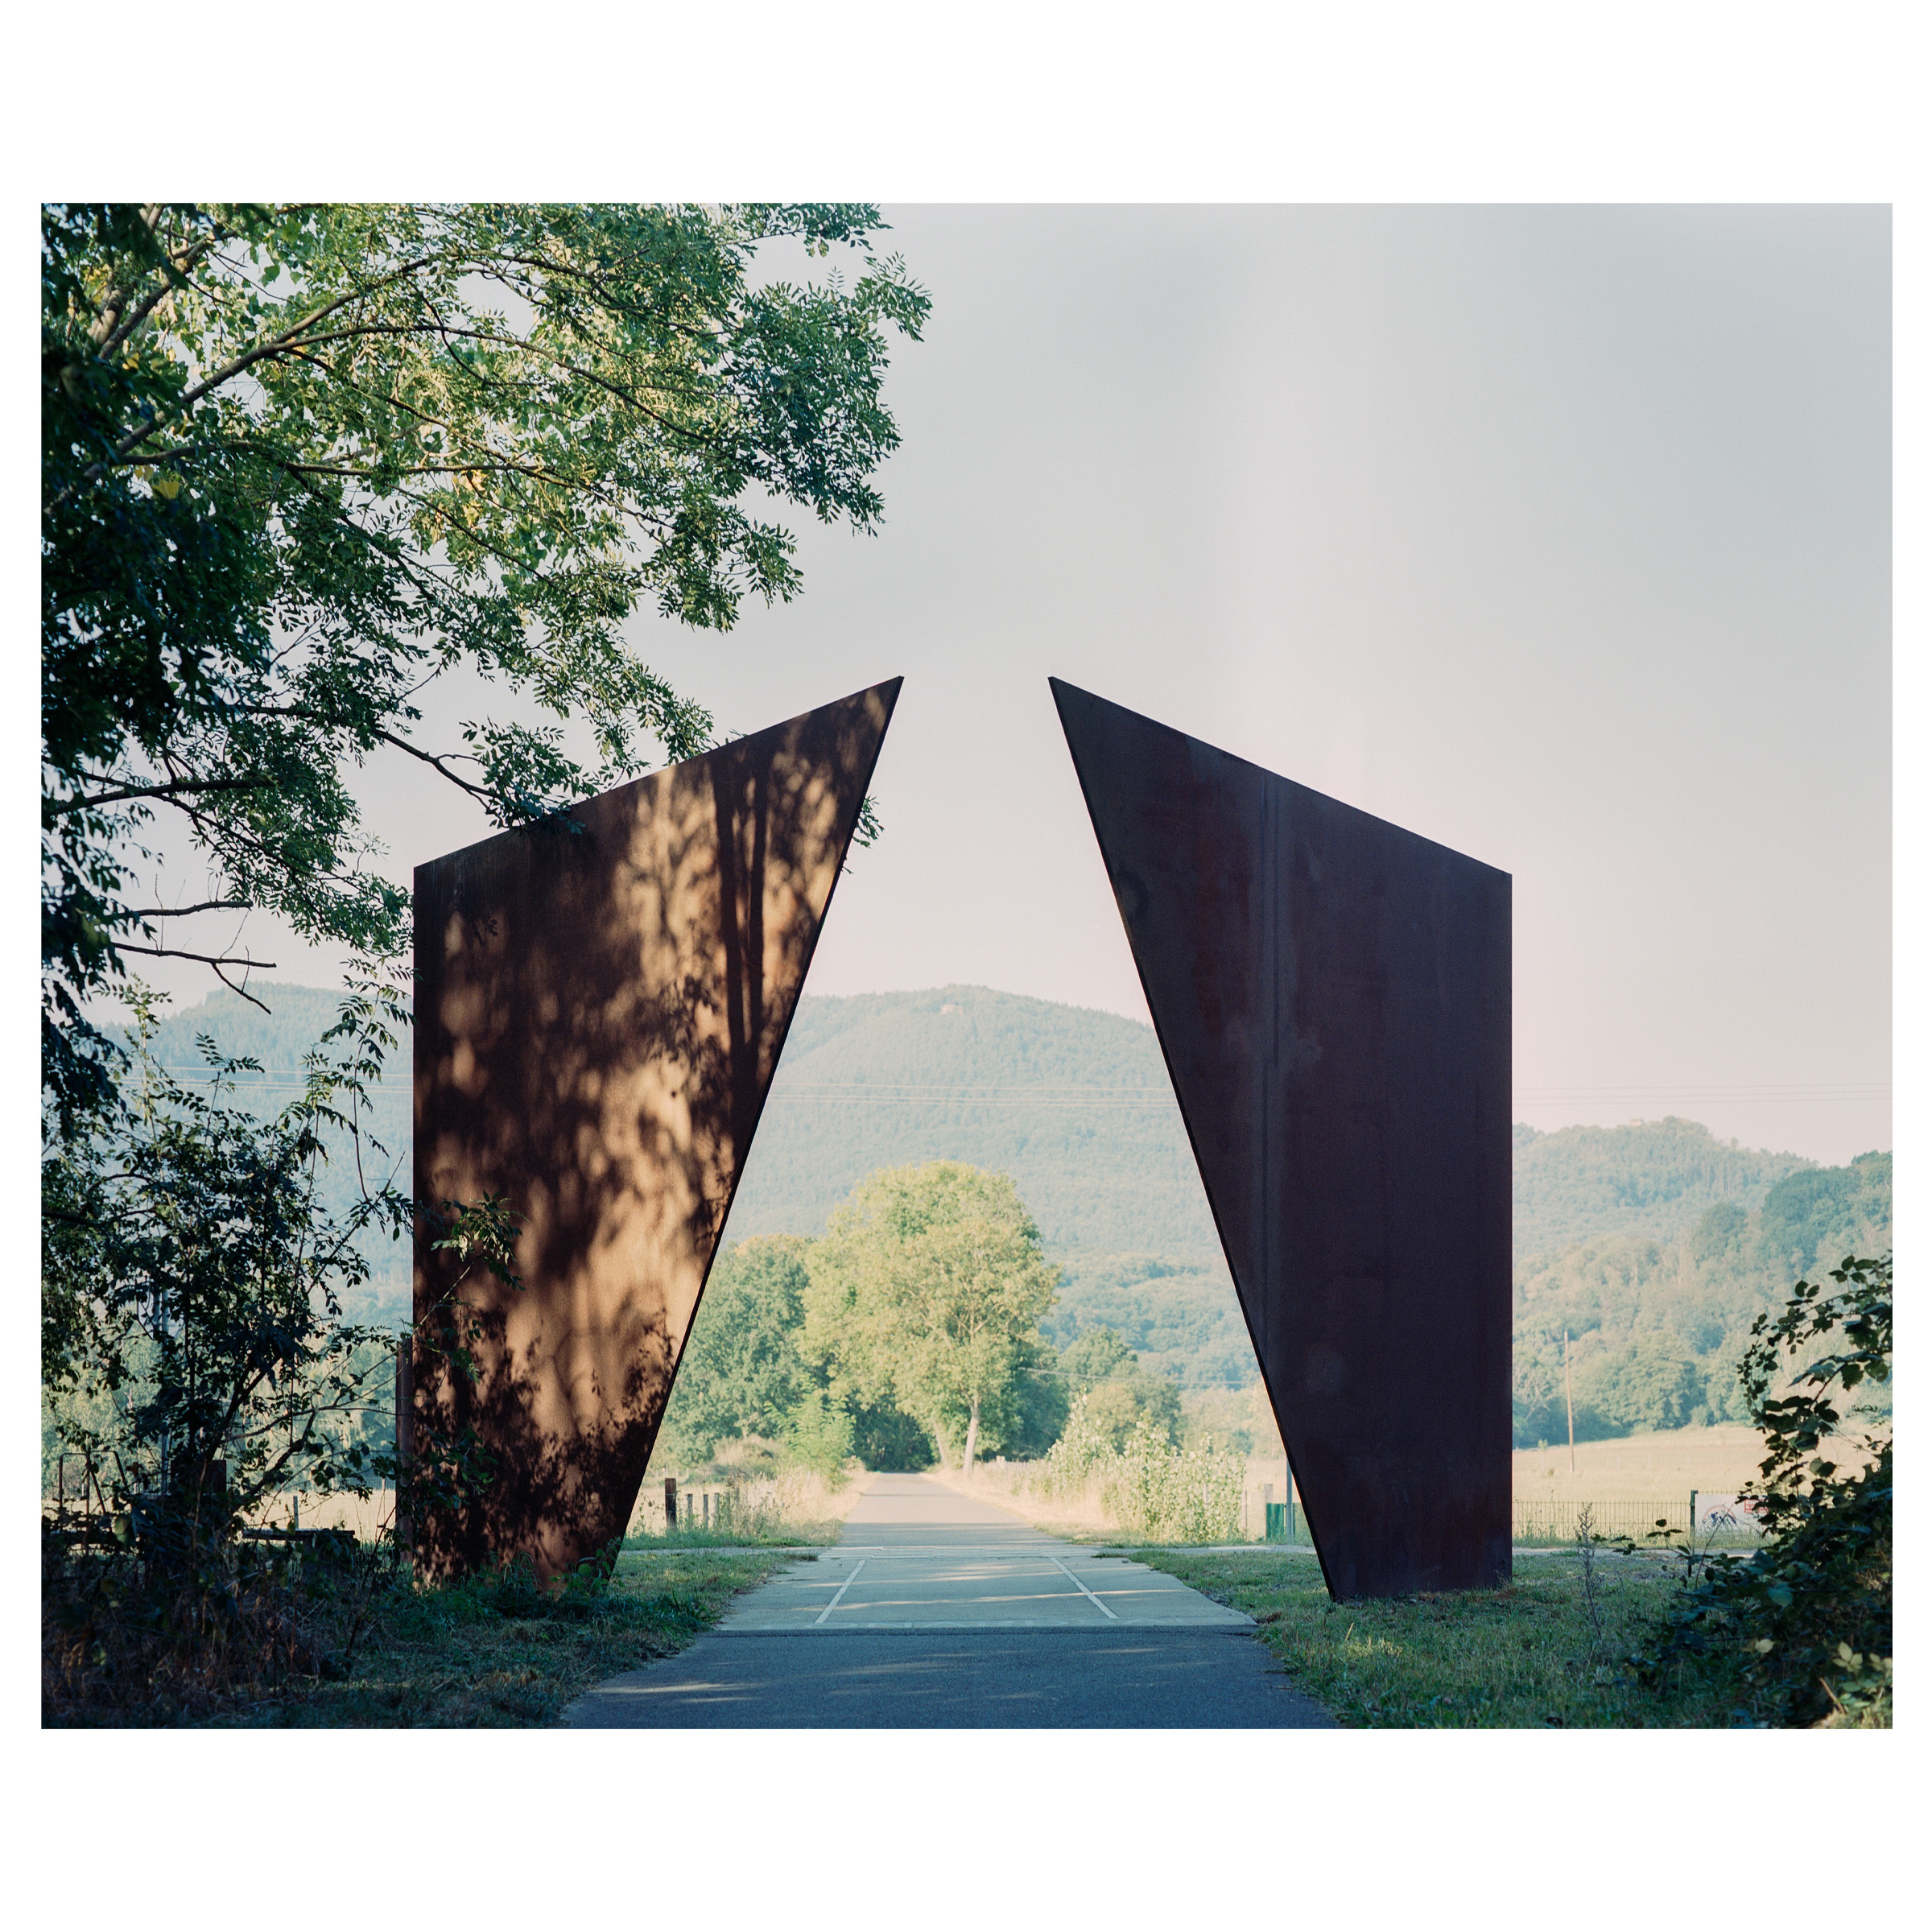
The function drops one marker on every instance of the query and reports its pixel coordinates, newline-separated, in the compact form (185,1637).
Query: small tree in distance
(927,1293)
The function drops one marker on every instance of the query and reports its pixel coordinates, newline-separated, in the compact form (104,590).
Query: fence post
(1693,1530)
(671,1502)
(405,1419)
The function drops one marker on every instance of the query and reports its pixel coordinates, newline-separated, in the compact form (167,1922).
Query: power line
(908,1093)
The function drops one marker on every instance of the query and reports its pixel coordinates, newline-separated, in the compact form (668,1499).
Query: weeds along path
(936,1609)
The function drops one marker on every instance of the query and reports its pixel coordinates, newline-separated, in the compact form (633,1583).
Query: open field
(1524,1656)
(1631,1480)
(1642,1468)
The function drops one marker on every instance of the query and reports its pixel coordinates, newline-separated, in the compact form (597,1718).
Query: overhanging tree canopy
(297,461)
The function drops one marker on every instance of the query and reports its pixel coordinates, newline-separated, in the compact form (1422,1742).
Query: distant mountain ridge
(1076,1105)
(1651,1178)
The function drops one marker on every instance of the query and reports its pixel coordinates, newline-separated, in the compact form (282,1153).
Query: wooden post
(405,1419)
(1569,1405)
(671,1502)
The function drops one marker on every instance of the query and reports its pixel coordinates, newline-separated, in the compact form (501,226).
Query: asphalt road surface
(937,1610)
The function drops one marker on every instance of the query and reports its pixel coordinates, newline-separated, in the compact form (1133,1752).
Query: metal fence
(1722,1520)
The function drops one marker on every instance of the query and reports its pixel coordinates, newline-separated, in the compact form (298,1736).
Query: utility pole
(1568,1403)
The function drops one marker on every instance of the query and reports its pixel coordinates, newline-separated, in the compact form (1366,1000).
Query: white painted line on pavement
(1083,1589)
(843,1588)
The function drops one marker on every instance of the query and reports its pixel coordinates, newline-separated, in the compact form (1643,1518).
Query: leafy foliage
(1148,1484)
(742,1373)
(1804,1626)
(1660,1327)
(300,461)
(1121,1399)
(927,1294)
(191,1308)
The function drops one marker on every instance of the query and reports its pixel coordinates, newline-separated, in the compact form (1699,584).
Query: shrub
(1149,1487)
(1182,1495)
(1804,1625)
(819,1436)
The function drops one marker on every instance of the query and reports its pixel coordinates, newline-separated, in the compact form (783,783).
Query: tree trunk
(972,1438)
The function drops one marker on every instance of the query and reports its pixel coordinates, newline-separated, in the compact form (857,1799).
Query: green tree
(742,1373)
(192,1316)
(299,461)
(1655,1383)
(927,1294)
(1122,1398)
(1093,1357)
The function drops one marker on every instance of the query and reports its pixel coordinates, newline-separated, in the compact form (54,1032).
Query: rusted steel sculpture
(599,1008)
(1332,997)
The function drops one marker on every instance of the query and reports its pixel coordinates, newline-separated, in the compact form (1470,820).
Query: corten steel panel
(1332,997)
(598,1013)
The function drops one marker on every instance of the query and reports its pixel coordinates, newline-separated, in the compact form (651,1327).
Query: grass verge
(1549,1650)
(354,1646)
(780,1536)
(483,1655)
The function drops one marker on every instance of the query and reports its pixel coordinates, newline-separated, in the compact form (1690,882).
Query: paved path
(935,1609)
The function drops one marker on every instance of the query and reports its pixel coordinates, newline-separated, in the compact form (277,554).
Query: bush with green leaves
(192,1284)
(1803,1627)
(1083,1449)
(1121,1396)
(818,1434)
(1149,1486)
(1179,1496)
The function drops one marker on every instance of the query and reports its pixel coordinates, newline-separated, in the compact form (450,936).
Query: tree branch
(430,759)
(276,345)
(181,263)
(181,912)
(174,952)
(59,808)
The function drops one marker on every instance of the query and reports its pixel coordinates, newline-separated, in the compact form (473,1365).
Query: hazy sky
(1559,535)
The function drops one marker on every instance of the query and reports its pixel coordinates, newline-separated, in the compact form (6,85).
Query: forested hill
(1652,1178)
(1653,1243)
(1073,1103)
(1657,1323)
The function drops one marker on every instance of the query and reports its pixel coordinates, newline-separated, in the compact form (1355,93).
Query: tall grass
(1148,1490)
(742,1506)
